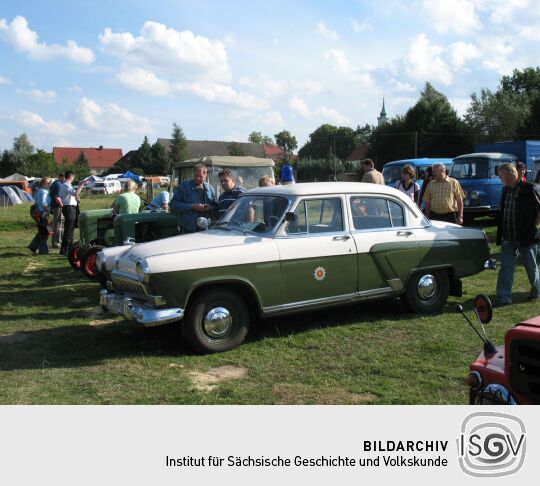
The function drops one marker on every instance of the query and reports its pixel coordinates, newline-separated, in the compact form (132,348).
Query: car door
(386,246)
(317,253)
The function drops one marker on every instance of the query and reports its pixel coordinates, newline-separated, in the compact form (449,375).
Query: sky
(91,73)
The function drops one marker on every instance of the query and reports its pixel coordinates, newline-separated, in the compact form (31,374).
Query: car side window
(375,213)
(317,216)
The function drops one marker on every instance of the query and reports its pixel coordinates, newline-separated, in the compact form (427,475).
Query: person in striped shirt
(231,192)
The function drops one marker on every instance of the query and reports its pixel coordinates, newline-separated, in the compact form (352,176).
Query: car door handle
(404,233)
(341,238)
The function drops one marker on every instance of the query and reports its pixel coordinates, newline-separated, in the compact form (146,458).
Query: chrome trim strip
(356,296)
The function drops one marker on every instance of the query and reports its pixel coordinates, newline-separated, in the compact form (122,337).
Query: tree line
(430,128)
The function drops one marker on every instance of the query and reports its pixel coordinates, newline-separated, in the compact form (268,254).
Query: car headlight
(143,270)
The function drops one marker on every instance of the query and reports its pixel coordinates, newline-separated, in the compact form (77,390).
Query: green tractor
(96,231)
(98,228)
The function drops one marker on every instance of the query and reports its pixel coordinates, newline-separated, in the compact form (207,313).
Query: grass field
(57,347)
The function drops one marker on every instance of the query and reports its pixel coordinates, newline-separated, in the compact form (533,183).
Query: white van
(107,187)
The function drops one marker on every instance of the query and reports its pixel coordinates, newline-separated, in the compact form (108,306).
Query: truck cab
(478,174)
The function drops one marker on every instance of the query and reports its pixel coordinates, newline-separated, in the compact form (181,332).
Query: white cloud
(322,113)
(504,11)
(34,121)
(220,93)
(361,26)
(111,118)
(23,39)
(461,53)
(401,86)
(140,79)
(448,16)
(324,31)
(38,95)
(163,50)
(271,87)
(75,89)
(268,85)
(338,60)
(498,54)
(424,61)
(460,105)
(4,80)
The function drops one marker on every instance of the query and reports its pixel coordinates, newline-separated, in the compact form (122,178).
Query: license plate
(116,306)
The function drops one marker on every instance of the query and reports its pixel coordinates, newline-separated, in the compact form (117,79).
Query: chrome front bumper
(143,314)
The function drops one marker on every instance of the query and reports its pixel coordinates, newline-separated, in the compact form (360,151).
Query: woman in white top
(407,184)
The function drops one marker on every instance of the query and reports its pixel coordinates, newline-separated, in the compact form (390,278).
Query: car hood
(191,242)
(205,249)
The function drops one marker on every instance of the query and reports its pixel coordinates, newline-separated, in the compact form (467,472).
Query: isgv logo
(491,444)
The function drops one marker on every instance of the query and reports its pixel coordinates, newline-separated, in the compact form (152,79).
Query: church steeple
(382,117)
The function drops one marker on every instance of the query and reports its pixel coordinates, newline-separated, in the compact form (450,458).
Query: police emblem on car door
(317,252)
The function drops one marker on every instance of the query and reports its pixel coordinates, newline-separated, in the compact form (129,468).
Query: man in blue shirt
(193,199)
(231,192)
(56,212)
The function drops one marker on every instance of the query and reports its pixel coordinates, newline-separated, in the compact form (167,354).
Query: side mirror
(290,216)
(483,308)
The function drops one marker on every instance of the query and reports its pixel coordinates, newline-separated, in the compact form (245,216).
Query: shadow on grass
(84,345)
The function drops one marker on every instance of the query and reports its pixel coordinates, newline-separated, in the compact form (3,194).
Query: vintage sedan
(288,249)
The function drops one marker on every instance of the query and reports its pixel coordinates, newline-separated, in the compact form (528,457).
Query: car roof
(424,161)
(489,155)
(315,188)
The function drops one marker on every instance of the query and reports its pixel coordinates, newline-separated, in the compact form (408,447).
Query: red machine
(509,374)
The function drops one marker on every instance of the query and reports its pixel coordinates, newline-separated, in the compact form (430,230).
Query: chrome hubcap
(427,287)
(217,322)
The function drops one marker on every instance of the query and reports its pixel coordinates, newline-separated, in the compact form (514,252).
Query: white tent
(9,197)
(16,177)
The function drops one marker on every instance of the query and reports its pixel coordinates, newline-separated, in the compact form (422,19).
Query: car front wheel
(427,291)
(217,320)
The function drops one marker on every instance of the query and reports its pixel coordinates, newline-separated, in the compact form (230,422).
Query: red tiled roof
(98,158)
(273,150)
(359,153)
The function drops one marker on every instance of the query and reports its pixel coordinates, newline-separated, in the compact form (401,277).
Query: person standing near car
(519,218)
(42,217)
(56,212)
(67,200)
(193,199)
(371,174)
(231,192)
(444,197)
(407,185)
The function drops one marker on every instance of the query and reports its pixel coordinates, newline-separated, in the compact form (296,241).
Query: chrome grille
(128,285)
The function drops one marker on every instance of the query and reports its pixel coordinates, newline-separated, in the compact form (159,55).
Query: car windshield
(470,168)
(254,213)
(392,173)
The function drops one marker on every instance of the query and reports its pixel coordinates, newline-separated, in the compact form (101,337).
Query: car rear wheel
(88,262)
(217,320)
(427,291)
(74,255)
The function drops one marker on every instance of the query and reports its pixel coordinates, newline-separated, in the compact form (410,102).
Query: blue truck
(478,173)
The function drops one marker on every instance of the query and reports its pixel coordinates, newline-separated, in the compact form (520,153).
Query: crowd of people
(440,197)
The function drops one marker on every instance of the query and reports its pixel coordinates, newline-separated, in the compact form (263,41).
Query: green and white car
(288,249)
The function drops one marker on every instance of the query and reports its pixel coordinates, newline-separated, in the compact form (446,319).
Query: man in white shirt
(67,199)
